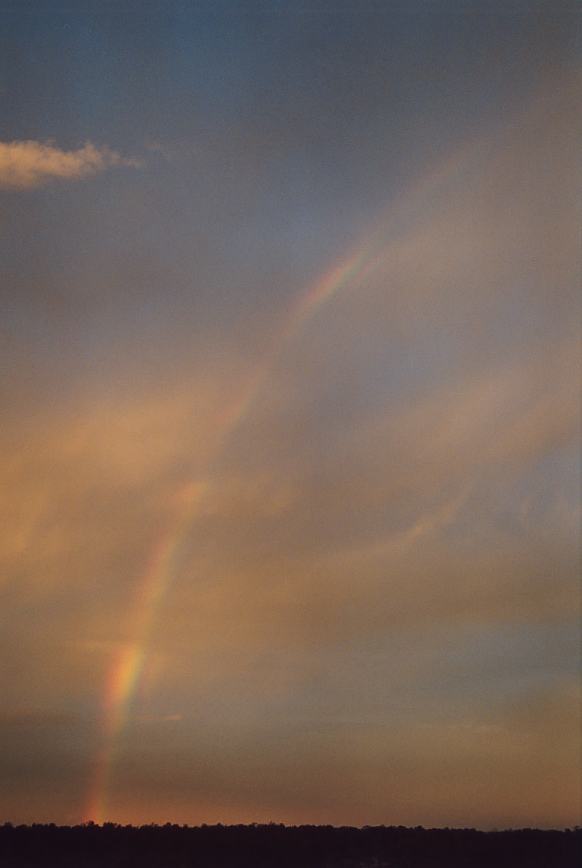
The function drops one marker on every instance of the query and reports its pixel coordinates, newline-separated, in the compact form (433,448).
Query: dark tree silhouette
(278,846)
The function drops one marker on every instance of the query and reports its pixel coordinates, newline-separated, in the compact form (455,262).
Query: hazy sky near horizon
(290,369)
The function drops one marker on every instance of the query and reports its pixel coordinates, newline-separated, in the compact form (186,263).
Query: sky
(290,376)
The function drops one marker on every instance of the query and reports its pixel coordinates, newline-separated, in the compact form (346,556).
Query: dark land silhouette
(278,846)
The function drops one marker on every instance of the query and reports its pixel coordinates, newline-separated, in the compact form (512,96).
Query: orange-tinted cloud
(401,484)
(27,164)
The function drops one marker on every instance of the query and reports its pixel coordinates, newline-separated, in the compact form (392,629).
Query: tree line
(278,846)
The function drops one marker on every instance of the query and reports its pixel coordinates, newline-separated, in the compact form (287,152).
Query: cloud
(27,164)
(404,485)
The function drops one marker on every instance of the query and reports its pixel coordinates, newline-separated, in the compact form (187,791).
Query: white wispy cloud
(26,164)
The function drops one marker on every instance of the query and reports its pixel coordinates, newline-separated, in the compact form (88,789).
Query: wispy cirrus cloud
(27,164)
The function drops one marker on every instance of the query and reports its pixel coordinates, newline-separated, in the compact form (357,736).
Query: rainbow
(126,669)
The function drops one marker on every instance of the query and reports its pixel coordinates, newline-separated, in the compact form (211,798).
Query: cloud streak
(28,164)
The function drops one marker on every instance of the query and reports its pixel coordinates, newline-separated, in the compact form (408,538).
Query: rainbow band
(127,667)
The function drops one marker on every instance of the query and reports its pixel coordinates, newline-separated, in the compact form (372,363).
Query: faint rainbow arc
(125,672)
(127,667)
